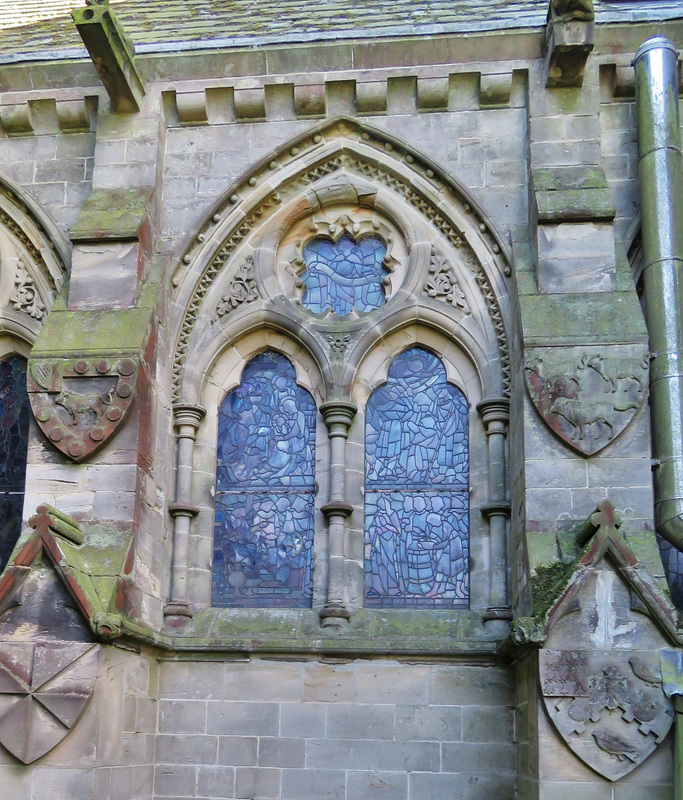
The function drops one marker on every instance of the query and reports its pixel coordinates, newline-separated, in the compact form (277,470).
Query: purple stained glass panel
(265,484)
(343,275)
(417,488)
(417,549)
(14,424)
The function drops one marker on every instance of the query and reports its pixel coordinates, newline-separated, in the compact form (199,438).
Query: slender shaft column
(186,420)
(495,414)
(338,417)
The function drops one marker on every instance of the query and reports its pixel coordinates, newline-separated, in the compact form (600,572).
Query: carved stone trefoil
(587,396)
(44,689)
(25,295)
(338,343)
(242,289)
(608,706)
(442,283)
(81,403)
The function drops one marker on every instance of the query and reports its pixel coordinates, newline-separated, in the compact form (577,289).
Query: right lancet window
(416,488)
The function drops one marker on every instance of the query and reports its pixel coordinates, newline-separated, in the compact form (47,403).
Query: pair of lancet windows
(416,488)
(416,465)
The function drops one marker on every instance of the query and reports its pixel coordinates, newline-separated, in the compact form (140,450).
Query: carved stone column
(186,420)
(338,417)
(495,414)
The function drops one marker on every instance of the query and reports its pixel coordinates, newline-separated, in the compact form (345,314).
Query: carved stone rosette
(81,403)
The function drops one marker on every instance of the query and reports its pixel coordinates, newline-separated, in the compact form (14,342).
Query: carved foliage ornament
(25,295)
(608,706)
(586,396)
(242,289)
(442,283)
(44,690)
(80,404)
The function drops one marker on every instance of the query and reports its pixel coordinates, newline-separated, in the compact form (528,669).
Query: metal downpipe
(661,199)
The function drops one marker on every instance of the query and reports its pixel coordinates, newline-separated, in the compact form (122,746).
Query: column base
(334,616)
(177,608)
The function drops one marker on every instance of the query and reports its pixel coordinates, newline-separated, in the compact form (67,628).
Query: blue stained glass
(265,483)
(416,484)
(14,424)
(672,559)
(416,427)
(417,549)
(343,275)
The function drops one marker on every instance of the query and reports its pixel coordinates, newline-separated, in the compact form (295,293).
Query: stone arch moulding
(285,185)
(34,259)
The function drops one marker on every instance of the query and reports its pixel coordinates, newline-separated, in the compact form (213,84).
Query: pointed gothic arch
(292,183)
(239,280)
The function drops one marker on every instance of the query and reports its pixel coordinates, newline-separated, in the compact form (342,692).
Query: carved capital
(338,417)
(187,416)
(495,414)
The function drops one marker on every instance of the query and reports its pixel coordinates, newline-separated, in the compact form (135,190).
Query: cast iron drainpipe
(660,169)
(661,200)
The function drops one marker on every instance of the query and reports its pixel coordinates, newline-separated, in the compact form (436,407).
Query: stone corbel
(111,53)
(338,417)
(186,420)
(569,40)
(495,414)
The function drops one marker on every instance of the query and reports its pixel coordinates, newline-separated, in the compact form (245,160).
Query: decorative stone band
(183,510)
(336,509)
(499,509)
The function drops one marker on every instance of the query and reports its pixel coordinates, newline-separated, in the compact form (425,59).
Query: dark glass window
(14,422)
(265,485)
(344,275)
(416,488)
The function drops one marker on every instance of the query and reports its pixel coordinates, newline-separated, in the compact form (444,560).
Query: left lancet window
(265,485)
(14,424)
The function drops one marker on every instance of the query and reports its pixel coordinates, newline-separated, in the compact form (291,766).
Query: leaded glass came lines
(416,488)
(344,275)
(14,423)
(265,484)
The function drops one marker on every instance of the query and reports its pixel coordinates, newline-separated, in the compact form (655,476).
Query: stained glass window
(265,485)
(14,421)
(416,488)
(672,558)
(344,275)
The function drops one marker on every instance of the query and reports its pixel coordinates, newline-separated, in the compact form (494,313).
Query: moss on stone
(548,583)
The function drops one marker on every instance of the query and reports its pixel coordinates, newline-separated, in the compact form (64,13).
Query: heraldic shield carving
(608,706)
(586,399)
(80,403)
(44,690)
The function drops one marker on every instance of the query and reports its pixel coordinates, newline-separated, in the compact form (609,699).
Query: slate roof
(158,25)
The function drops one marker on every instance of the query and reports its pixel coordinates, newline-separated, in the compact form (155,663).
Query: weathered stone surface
(585,397)
(45,689)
